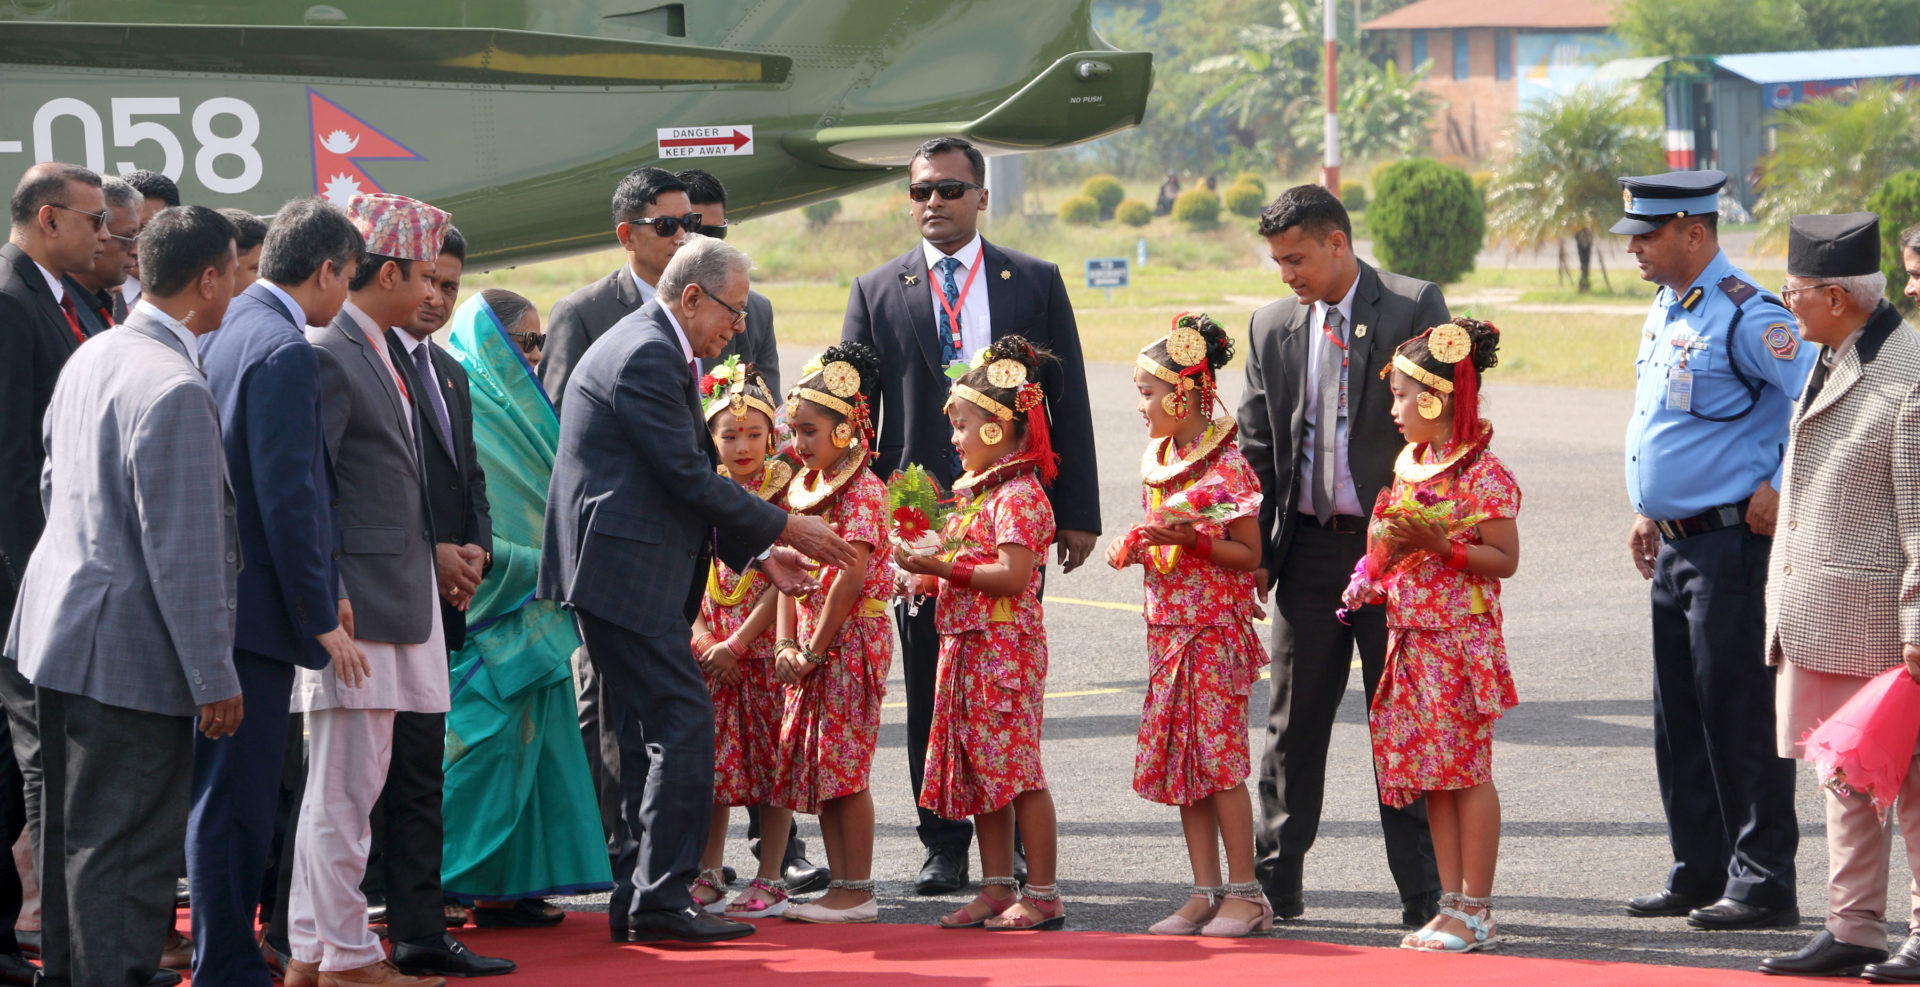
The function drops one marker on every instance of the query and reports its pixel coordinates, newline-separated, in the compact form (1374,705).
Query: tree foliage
(1898,203)
(1426,220)
(1382,110)
(1831,155)
(1726,27)
(1560,180)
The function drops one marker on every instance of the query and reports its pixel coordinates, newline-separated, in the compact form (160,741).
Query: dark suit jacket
(635,505)
(36,341)
(586,315)
(266,380)
(96,312)
(456,485)
(1273,408)
(897,320)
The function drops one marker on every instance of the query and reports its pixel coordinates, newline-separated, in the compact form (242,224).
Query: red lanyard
(953,308)
(1335,339)
(395,371)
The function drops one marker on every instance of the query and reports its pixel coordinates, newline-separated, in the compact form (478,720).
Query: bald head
(59,216)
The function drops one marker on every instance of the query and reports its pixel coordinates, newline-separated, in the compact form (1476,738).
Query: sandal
(1412,940)
(1174,925)
(761,899)
(1481,925)
(1042,898)
(964,917)
(1233,928)
(715,881)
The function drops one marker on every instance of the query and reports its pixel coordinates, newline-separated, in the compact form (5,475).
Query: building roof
(1777,67)
(1560,14)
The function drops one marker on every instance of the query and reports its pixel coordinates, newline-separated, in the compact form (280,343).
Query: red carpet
(577,953)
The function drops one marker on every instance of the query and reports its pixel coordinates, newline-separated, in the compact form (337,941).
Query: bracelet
(704,643)
(733,645)
(962,575)
(1458,560)
(812,658)
(1202,546)
(784,643)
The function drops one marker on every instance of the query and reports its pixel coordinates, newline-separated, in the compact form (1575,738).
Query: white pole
(1331,172)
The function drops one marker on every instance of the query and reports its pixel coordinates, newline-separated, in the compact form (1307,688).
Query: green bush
(1353,195)
(1080,211)
(1106,191)
(1426,220)
(1133,212)
(1197,208)
(820,213)
(1252,178)
(1897,200)
(1245,199)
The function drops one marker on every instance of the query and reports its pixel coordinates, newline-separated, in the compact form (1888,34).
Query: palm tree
(1560,180)
(1830,155)
(1266,84)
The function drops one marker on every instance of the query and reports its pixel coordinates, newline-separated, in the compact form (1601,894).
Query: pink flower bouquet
(1865,747)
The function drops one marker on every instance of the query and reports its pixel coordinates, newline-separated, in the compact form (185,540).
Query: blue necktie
(950,352)
(423,365)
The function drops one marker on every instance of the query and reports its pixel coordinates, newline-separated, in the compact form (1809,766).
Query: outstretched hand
(816,539)
(789,571)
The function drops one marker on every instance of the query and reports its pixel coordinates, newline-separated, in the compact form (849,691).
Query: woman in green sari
(522,821)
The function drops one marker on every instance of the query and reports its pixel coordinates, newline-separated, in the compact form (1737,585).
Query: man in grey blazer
(1316,427)
(126,613)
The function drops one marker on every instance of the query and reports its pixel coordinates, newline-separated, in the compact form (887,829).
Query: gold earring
(1174,403)
(1429,405)
(842,435)
(991,433)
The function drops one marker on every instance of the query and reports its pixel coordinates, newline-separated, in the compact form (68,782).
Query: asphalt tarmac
(1583,828)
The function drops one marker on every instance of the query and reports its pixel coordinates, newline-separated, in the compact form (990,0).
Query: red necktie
(73,321)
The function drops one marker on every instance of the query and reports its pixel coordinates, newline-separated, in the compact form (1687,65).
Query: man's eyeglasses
(739,314)
(1787,292)
(667,226)
(99,218)
(950,189)
(529,340)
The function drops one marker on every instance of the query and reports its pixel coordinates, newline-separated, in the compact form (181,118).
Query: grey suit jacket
(129,598)
(586,315)
(1843,583)
(386,544)
(1273,408)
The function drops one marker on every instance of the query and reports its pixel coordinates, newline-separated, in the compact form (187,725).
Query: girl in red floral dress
(834,646)
(1440,542)
(983,750)
(1200,610)
(733,642)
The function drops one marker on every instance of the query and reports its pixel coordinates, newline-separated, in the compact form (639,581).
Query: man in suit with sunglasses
(755,344)
(946,298)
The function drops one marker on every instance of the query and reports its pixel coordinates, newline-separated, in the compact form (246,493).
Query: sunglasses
(717,232)
(130,242)
(529,340)
(667,226)
(99,218)
(949,190)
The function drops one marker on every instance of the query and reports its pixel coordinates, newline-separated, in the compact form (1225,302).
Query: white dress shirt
(646,290)
(976,319)
(1346,499)
(186,336)
(59,287)
(293,308)
(686,345)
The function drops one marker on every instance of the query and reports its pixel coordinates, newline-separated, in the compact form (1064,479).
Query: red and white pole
(1330,174)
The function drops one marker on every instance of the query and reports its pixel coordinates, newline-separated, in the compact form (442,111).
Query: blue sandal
(1481,925)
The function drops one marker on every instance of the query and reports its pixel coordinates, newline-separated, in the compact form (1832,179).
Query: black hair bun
(1021,351)
(1219,343)
(863,359)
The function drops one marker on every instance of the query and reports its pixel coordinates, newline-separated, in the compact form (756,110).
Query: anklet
(1034,891)
(1245,889)
(987,882)
(850,885)
(1211,894)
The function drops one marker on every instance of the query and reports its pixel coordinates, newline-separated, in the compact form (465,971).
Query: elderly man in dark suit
(947,297)
(58,227)
(126,613)
(635,511)
(99,303)
(1844,563)
(266,380)
(1316,427)
(757,345)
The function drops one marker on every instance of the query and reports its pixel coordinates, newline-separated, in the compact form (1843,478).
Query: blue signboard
(1107,272)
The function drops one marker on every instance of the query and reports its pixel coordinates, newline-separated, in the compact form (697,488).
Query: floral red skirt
(984,746)
(1433,712)
(1193,727)
(746,732)
(831,723)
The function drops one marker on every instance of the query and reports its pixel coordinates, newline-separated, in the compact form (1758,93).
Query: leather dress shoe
(1728,914)
(164,978)
(15,970)
(690,924)
(1825,956)
(1288,903)
(944,872)
(1902,968)
(1663,904)
(446,957)
(804,876)
(381,974)
(299,974)
(179,952)
(1417,911)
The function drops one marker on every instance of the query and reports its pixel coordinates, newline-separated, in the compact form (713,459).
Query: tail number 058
(225,163)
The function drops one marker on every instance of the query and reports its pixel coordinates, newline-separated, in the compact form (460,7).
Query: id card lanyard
(953,308)
(1335,339)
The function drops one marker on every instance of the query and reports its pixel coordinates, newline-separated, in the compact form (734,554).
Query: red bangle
(962,575)
(1202,546)
(1458,560)
(704,643)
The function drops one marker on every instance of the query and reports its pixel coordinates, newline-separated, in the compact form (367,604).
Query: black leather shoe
(14,969)
(1664,904)
(944,872)
(525,913)
(1728,914)
(804,876)
(446,957)
(688,924)
(1825,956)
(164,978)
(1288,901)
(1417,911)
(1902,968)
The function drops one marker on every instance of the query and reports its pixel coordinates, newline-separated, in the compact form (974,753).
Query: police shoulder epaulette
(1738,290)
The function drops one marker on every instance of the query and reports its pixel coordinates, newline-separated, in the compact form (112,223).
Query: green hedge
(1080,211)
(1245,199)
(1426,220)
(1198,208)
(1353,195)
(1106,191)
(1133,212)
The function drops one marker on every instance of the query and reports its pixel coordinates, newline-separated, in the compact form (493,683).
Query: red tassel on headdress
(1466,402)
(1039,434)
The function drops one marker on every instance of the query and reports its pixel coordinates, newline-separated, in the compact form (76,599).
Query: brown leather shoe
(381,974)
(179,952)
(301,974)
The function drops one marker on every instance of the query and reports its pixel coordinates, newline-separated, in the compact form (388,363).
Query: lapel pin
(1006,275)
(1360,331)
(910,279)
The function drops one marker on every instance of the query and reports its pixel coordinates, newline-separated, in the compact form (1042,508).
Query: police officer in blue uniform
(1720,366)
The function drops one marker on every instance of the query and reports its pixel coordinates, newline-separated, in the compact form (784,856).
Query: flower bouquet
(1209,500)
(1866,746)
(922,517)
(1387,558)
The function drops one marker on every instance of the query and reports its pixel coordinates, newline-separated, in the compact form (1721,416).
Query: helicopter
(520,116)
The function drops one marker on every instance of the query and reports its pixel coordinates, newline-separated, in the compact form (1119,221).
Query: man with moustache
(100,305)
